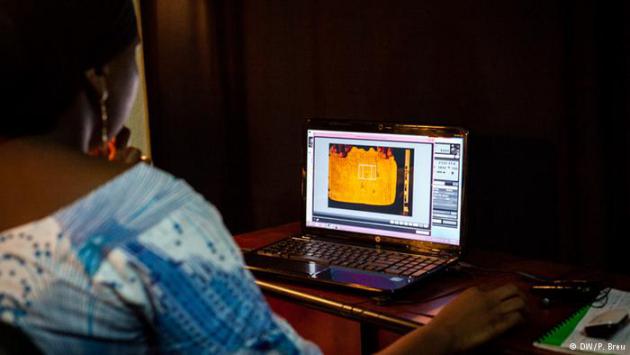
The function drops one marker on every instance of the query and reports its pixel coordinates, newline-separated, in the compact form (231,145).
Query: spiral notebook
(567,337)
(554,339)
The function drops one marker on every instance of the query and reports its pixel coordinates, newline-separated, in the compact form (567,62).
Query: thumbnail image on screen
(370,178)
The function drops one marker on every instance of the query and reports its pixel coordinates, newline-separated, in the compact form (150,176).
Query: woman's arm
(471,319)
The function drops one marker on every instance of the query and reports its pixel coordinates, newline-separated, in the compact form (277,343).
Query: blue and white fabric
(143,264)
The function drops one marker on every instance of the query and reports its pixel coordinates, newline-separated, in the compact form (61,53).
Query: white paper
(618,344)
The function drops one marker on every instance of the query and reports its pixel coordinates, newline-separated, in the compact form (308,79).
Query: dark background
(541,85)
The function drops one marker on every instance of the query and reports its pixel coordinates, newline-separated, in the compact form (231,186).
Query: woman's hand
(473,318)
(477,316)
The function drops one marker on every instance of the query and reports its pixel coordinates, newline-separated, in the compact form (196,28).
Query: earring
(104,116)
(108,147)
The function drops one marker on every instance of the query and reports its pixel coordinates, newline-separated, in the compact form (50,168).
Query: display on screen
(370,178)
(396,185)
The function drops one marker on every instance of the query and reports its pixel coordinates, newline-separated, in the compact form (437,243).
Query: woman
(102,257)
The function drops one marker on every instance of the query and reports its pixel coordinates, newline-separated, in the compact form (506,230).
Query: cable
(602,299)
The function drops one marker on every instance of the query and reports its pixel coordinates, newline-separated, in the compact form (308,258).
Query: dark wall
(541,85)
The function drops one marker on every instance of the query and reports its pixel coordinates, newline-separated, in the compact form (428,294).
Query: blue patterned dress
(143,264)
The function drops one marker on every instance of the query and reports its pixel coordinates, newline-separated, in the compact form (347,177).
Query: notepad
(568,337)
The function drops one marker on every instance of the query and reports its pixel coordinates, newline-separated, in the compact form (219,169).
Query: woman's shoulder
(136,198)
(70,185)
(37,179)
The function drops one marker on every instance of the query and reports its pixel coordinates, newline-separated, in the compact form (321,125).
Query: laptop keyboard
(329,253)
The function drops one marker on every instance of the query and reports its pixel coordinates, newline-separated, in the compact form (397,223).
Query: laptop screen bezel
(395,128)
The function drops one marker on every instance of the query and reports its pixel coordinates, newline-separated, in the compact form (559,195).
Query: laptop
(382,207)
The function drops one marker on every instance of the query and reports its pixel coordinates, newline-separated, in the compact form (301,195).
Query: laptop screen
(395,185)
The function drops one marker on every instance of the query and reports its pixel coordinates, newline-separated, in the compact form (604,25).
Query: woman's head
(50,52)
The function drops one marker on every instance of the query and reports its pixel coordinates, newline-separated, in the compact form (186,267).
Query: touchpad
(284,266)
(365,278)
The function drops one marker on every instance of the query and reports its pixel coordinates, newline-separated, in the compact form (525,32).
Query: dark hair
(45,48)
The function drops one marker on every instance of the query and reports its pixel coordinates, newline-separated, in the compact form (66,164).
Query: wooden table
(420,304)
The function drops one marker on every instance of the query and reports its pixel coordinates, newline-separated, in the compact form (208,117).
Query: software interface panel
(396,185)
